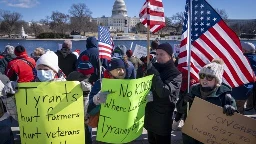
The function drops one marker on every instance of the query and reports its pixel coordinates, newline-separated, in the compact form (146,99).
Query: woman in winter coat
(165,88)
(211,89)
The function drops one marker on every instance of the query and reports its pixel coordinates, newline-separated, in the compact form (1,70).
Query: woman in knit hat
(211,89)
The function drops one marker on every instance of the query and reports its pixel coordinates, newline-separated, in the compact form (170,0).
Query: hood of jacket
(91,42)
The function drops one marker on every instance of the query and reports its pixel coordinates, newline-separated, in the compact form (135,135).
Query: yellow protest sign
(122,116)
(50,113)
(207,123)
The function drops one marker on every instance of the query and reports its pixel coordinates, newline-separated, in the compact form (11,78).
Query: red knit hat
(129,53)
(84,66)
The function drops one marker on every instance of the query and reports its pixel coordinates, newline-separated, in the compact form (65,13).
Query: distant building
(119,19)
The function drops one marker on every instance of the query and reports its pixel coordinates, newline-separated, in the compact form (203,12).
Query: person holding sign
(165,88)
(211,89)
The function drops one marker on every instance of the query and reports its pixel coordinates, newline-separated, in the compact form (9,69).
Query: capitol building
(119,21)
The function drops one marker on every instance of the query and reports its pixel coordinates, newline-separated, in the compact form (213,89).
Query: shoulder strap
(28,62)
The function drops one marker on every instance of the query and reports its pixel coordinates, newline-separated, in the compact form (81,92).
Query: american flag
(152,15)
(105,43)
(212,38)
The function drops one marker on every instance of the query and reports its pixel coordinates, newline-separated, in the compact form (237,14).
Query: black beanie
(166,47)
(19,50)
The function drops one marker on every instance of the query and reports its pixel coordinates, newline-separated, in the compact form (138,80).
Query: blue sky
(39,9)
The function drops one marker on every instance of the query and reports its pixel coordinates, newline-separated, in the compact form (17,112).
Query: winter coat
(130,71)
(165,88)
(93,53)
(220,97)
(21,69)
(67,64)
(4,62)
(244,91)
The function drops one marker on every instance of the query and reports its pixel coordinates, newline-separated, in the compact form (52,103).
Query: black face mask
(206,89)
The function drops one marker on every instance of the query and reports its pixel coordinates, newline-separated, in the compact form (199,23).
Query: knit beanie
(248,47)
(9,49)
(19,50)
(84,66)
(116,63)
(166,47)
(129,53)
(215,68)
(67,44)
(49,59)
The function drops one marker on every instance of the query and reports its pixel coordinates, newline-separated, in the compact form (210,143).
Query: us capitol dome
(119,19)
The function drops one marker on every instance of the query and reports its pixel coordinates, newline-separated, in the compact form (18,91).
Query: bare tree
(59,22)
(223,14)
(36,28)
(80,17)
(9,19)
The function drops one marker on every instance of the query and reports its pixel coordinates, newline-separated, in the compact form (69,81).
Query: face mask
(45,75)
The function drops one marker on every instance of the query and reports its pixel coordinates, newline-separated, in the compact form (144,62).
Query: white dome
(119,8)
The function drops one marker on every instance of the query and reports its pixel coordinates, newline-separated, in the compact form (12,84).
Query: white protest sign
(140,51)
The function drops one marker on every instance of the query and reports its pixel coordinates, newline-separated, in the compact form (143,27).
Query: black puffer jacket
(67,64)
(165,88)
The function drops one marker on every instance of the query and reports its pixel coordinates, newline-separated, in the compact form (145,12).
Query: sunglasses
(208,77)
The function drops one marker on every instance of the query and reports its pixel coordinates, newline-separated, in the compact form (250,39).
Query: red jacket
(20,70)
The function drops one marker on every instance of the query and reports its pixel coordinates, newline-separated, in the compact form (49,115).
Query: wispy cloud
(21,3)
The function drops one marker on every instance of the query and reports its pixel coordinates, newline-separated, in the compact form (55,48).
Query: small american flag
(152,15)
(212,38)
(105,43)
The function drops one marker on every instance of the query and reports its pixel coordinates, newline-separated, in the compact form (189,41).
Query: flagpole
(189,46)
(148,35)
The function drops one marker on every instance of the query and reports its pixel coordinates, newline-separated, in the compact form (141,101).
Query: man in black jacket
(165,88)
(67,60)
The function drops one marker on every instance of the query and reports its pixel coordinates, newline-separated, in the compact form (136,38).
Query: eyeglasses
(208,77)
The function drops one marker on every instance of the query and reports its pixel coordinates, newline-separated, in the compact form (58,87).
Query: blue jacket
(93,53)
(244,91)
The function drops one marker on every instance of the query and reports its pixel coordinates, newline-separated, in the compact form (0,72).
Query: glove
(229,110)
(100,97)
(86,86)
(151,70)
(10,88)
(188,98)
(150,97)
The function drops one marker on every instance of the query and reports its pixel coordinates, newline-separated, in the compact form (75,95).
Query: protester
(211,89)
(246,92)
(67,60)
(135,61)
(8,55)
(92,52)
(37,53)
(83,74)
(21,68)
(165,88)
(6,135)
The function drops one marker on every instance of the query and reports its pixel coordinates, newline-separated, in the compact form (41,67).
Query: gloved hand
(151,69)
(150,97)
(10,88)
(100,97)
(86,86)
(188,98)
(229,110)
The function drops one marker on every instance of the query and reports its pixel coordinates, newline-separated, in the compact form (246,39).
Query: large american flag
(212,38)
(152,15)
(105,44)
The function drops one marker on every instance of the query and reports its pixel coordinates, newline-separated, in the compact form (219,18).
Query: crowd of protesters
(167,99)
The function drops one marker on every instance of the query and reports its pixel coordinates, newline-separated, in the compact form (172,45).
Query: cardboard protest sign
(50,113)
(140,51)
(122,116)
(207,123)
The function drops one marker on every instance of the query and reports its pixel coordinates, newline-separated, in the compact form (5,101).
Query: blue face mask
(45,75)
